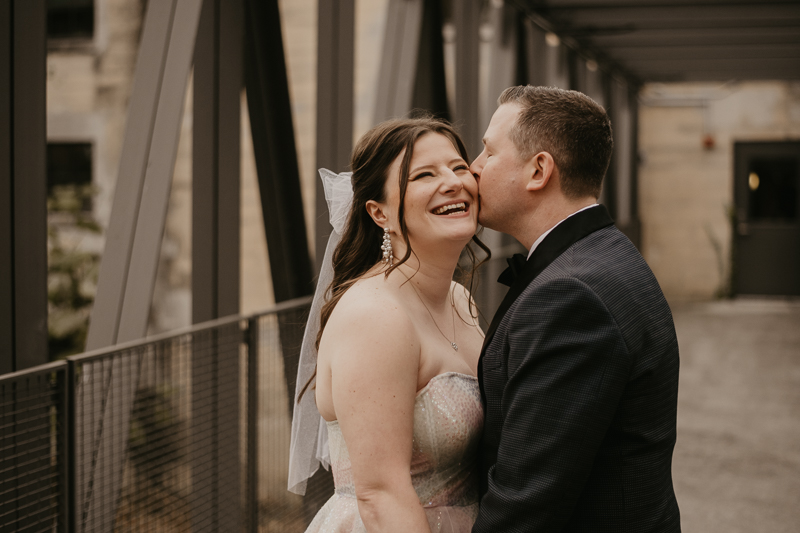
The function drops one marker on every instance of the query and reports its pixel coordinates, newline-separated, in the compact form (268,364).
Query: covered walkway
(737,460)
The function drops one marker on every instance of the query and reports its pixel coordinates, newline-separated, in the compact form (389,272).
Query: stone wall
(686,142)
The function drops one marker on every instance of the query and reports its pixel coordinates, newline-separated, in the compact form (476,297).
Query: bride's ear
(378,213)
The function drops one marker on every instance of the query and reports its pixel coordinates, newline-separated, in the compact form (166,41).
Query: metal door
(767,233)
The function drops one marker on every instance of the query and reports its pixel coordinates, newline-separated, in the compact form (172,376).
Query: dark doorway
(767,234)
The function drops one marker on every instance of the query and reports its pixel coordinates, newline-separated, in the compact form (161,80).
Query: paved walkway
(737,460)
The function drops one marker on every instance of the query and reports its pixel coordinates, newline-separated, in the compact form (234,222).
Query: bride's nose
(451,182)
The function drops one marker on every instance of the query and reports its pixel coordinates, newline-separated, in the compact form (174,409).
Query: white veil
(309,445)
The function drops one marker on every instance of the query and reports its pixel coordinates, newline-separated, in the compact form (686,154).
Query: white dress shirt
(543,235)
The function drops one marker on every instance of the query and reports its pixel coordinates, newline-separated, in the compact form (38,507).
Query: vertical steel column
(467,118)
(7,363)
(335,57)
(621,124)
(276,157)
(218,64)
(399,59)
(23,186)
(507,66)
(218,79)
(535,54)
(253,396)
(430,85)
(556,63)
(635,226)
(608,195)
(412,63)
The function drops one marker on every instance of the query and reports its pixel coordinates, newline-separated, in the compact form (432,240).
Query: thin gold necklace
(452,307)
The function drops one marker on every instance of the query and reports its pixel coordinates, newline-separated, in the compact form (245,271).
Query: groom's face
(501,173)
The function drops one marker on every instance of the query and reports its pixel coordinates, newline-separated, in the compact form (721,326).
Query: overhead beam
(786,67)
(23,186)
(615,4)
(708,37)
(668,14)
(711,52)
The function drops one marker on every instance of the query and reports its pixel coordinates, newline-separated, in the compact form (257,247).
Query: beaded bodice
(448,419)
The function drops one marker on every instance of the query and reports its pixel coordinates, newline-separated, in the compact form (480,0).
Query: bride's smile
(441,194)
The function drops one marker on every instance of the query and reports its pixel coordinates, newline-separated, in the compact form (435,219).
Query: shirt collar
(543,235)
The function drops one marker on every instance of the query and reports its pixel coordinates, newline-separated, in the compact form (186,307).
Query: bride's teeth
(460,205)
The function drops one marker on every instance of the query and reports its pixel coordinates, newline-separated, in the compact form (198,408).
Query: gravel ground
(737,460)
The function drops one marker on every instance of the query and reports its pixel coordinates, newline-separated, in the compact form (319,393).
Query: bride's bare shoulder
(371,302)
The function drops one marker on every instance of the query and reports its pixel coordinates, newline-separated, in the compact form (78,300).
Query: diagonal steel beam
(133,243)
(158,177)
(144,104)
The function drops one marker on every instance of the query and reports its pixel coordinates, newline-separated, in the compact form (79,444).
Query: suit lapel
(562,237)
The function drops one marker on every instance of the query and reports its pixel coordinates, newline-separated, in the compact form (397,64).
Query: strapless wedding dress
(448,420)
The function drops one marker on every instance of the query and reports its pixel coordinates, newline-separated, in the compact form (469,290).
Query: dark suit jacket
(579,379)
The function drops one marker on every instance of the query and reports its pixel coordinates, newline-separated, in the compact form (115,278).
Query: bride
(397,341)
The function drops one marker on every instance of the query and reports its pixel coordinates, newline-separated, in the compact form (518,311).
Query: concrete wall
(686,138)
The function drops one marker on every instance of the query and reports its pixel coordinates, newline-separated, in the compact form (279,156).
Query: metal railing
(187,431)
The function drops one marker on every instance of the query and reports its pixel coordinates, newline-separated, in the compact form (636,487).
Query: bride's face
(441,196)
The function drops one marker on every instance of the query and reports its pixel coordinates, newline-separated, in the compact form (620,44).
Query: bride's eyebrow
(424,167)
(432,167)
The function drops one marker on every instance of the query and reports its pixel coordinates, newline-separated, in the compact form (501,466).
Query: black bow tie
(516,264)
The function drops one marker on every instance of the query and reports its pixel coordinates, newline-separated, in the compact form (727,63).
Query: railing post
(251,496)
(70,455)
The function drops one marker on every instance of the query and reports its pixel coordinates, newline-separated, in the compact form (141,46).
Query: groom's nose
(477,166)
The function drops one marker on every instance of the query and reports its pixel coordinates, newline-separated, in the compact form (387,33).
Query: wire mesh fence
(184,432)
(33,462)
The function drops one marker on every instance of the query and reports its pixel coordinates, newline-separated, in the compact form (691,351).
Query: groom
(579,369)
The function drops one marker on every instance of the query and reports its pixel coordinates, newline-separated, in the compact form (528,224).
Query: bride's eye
(461,167)
(421,175)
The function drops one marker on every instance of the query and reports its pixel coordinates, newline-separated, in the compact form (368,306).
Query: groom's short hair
(571,127)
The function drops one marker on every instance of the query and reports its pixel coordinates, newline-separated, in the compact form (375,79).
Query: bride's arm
(374,363)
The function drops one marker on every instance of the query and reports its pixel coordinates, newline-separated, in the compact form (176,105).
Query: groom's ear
(543,169)
(378,213)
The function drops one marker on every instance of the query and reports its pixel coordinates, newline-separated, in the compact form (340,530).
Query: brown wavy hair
(360,246)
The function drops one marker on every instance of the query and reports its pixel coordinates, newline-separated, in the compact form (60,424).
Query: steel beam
(144,105)
(665,15)
(23,186)
(133,240)
(158,177)
(399,59)
(218,82)
(466,115)
(430,85)
(556,64)
(621,120)
(335,56)
(7,363)
(276,157)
